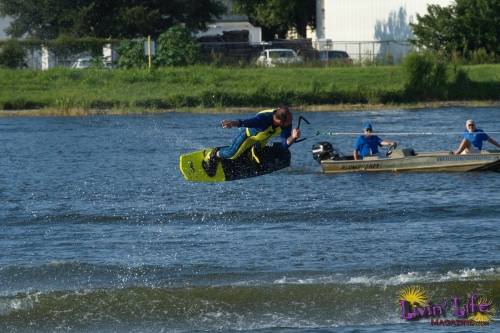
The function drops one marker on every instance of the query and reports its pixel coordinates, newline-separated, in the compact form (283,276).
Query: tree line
(48,19)
(465,28)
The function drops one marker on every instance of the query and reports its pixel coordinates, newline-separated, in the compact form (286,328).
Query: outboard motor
(324,151)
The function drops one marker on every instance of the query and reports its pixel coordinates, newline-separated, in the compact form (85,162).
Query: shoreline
(81,112)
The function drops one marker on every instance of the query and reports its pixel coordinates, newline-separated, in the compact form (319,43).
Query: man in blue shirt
(368,143)
(473,138)
(255,132)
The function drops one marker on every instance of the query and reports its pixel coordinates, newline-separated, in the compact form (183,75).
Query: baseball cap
(368,126)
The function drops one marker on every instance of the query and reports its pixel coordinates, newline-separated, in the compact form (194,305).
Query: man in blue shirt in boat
(367,144)
(473,139)
(254,134)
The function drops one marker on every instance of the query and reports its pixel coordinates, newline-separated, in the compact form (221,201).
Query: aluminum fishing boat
(405,160)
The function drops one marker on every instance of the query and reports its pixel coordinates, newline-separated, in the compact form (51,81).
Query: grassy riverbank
(67,91)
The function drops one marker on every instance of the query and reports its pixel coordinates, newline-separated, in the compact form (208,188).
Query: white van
(273,57)
(88,62)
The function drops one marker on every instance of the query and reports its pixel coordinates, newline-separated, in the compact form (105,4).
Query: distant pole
(149,52)
(359,52)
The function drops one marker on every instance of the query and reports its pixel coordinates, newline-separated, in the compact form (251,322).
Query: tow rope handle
(298,127)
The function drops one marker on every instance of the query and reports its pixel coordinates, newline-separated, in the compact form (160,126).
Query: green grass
(205,86)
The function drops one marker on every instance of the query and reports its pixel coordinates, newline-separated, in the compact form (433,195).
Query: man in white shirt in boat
(473,138)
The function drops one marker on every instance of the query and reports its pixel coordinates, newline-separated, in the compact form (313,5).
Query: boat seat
(404,152)
(371,158)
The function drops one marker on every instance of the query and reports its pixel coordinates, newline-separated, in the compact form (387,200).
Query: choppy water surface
(99,231)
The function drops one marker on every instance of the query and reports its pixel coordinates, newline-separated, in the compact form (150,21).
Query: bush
(481,56)
(12,55)
(461,85)
(461,78)
(425,75)
(176,47)
(132,54)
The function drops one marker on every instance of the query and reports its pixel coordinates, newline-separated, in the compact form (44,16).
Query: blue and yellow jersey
(261,128)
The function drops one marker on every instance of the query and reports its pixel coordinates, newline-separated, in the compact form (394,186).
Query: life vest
(263,137)
(260,138)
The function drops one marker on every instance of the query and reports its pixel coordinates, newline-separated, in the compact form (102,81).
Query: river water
(100,232)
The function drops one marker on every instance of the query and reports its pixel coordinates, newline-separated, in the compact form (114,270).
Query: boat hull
(422,162)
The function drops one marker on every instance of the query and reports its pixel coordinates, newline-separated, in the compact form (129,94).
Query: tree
(279,16)
(132,54)
(12,55)
(176,47)
(464,27)
(48,19)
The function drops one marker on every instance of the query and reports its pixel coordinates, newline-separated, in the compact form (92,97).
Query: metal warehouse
(368,28)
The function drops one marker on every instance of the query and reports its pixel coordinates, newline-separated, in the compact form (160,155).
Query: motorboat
(405,160)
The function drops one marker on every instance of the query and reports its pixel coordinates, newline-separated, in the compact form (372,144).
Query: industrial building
(368,28)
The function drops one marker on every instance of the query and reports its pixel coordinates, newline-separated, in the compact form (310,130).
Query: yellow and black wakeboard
(269,159)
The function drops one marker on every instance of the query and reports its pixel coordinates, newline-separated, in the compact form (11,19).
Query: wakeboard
(271,158)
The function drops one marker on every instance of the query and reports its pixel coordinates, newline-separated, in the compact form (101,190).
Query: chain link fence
(385,52)
(239,53)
